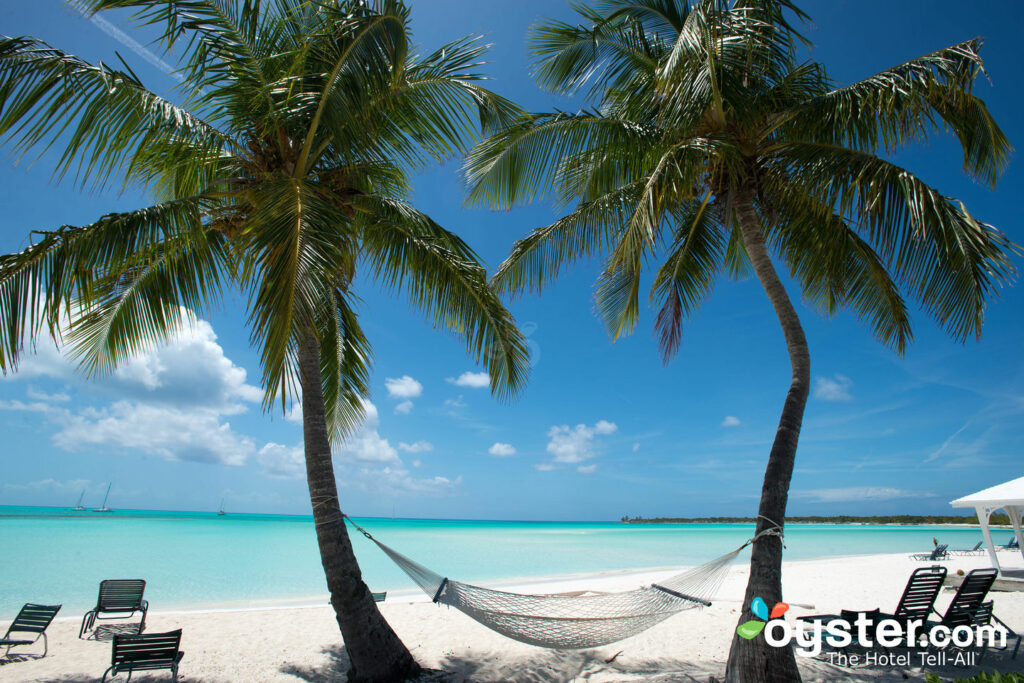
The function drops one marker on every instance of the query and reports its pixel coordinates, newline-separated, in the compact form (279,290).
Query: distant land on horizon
(997,519)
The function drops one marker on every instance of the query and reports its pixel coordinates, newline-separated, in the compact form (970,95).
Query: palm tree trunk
(375,653)
(754,661)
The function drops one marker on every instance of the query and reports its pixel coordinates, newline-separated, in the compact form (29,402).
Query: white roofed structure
(1008,496)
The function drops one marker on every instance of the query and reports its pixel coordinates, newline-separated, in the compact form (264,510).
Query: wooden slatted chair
(145,652)
(121,598)
(31,619)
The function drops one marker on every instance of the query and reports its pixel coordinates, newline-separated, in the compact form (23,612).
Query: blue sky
(603,429)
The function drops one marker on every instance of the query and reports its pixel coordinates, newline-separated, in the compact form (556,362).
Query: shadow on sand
(547,666)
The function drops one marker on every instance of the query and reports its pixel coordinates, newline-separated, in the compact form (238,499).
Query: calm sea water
(201,560)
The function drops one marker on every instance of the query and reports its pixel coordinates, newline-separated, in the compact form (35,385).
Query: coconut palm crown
(281,168)
(708,147)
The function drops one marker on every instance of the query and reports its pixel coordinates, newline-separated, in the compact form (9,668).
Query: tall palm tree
(709,147)
(282,171)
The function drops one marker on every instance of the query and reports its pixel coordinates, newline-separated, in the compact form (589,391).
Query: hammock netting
(570,621)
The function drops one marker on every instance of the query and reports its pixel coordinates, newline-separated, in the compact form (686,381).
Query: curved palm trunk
(375,652)
(754,661)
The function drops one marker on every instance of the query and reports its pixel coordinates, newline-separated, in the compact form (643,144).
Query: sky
(602,430)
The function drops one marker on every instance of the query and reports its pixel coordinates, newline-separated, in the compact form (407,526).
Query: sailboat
(79,507)
(220,511)
(104,507)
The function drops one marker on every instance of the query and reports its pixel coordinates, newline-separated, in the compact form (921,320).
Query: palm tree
(284,170)
(708,148)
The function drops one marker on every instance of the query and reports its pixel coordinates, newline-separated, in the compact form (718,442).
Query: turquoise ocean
(194,560)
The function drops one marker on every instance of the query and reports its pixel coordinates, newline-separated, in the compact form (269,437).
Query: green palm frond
(293,252)
(903,104)
(357,58)
(594,226)
(227,42)
(108,117)
(134,309)
(524,161)
(441,276)
(345,360)
(57,275)
(950,261)
(602,53)
(688,273)
(836,268)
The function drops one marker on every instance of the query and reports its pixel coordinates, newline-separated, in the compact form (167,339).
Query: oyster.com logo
(750,629)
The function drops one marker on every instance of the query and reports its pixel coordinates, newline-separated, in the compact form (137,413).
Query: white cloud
(404,408)
(34,407)
(636,447)
(36,395)
(418,447)
(403,387)
(857,494)
(837,389)
(502,450)
(454,407)
(573,445)
(366,461)
(544,467)
(67,486)
(282,462)
(586,469)
(190,370)
(473,380)
(731,421)
(367,445)
(171,433)
(169,400)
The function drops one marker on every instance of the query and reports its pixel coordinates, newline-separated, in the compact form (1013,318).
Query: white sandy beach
(303,644)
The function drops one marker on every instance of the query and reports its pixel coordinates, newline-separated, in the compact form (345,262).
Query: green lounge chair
(968,607)
(1009,545)
(915,604)
(984,616)
(145,652)
(31,619)
(968,551)
(969,597)
(940,552)
(379,597)
(119,597)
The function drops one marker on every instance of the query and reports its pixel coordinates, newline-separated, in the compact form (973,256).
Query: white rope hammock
(573,621)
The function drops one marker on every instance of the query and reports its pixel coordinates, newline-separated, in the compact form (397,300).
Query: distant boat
(79,507)
(104,507)
(221,510)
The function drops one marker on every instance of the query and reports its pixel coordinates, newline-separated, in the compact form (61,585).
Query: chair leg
(142,624)
(104,679)
(46,645)
(174,673)
(87,622)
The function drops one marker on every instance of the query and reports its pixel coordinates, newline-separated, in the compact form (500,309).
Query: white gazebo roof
(1000,495)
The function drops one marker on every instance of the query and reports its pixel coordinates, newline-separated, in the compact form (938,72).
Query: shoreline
(602,581)
(290,644)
